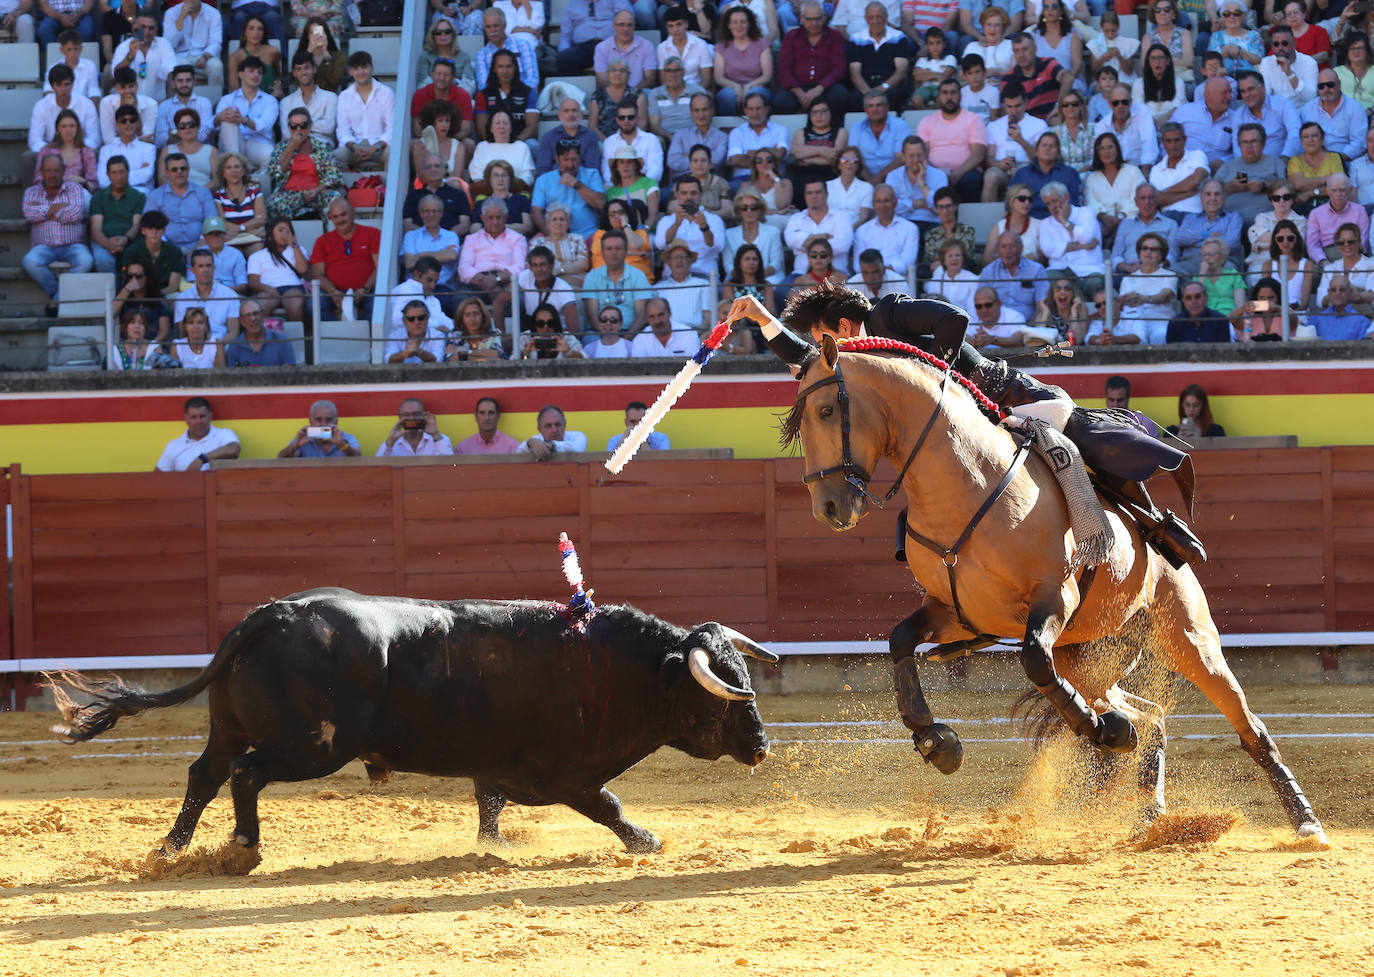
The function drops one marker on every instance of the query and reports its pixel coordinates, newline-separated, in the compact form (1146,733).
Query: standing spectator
(878,138)
(1199,323)
(1213,221)
(697,56)
(417,340)
(366,110)
(880,58)
(147,55)
(1019,282)
(571,126)
(183,97)
(895,239)
(320,104)
(1130,229)
(126,93)
(62,98)
(1044,80)
(634,413)
(200,443)
(53,208)
(670,104)
(304,171)
(662,337)
(138,155)
(186,204)
(1324,221)
(344,262)
(688,296)
(491,257)
(277,271)
(616,285)
(488,440)
(624,44)
(247,116)
(1179,176)
(431,240)
(743,61)
(521,46)
(553,435)
(253,346)
(1288,72)
(1275,114)
(1133,127)
(576,187)
(916,182)
(1250,177)
(415,433)
(220,302)
(1071,240)
(115,211)
(338,444)
(165,263)
(1011,141)
(956,141)
(195,33)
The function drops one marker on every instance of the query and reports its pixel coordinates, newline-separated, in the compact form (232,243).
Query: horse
(995,558)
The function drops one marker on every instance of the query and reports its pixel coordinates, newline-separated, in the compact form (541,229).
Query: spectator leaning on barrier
(416,341)
(489,439)
(53,208)
(1341,321)
(201,442)
(553,436)
(322,437)
(634,413)
(415,433)
(610,342)
(115,212)
(254,346)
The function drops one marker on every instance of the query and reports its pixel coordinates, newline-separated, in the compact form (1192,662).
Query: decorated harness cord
(581,606)
(876,344)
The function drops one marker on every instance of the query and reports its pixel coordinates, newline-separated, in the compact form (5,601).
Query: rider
(1111,441)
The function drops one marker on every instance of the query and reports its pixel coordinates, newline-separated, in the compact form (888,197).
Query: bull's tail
(113,700)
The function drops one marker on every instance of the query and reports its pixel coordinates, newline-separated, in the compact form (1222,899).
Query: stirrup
(1173,540)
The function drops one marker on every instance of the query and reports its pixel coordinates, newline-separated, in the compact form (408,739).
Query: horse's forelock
(791,421)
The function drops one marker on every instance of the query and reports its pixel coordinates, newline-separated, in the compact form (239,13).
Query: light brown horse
(1011,576)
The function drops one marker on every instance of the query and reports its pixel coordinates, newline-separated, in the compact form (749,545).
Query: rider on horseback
(1111,441)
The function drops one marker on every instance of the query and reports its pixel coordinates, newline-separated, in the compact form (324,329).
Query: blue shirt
(273,353)
(1281,125)
(1130,230)
(907,191)
(546,157)
(1334,325)
(1345,128)
(419,241)
(633,285)
(1029,286)
(262,110)
(580,24)
(1197,228)
(1215,140)
(549,189)
(231,267)
(878,151)
(1210,327)
(316,449)
(657,441)
(1035,178)
(185,213)
(167,109)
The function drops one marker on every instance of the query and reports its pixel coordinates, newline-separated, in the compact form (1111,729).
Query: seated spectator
(1356,81)
(670,103)
(254,346)
(1281,198)
(70,49)
(616,284)
(507,92)
(1145,299)
(457,216)
(661,338)
(1075,133)
(539,286)
(437,124)
(1044,80)
(1356,267)
(366,113)
(53,208)
(553,436)
(255,42)
(1109,188)
(715,191)
(820,267)
(1019,220)
(1224,285)
(990,43)
(165,261)
(747,278)
(416,341)
(1250,177)
(133,351)
(1158,88)
(16,18)
(231,268)
(758,133)
(219,301)
(308,444)
(978,96)
(115,212)
(950,278)
(570,126)
(1063,315)
(488,440)
(894,238)
(751,229)
(610,342)
(1047,166)
(878,138)
(135,292)
(441,41)
(1133,127)
(623,44)
(1274,113)
(1285,241)
(703,233)
(240,201)
(43,118)
(195,33)
(1206,126)
(195,350)
(1323,222)
(1309,170)
(491,257)
(1071,240)
(1112,49)
(150,57)
(320,104)
(431,240)
(317,38)
(415,433)
(1260,319)
(1241,49)
(873,280)
(501,185)
(916,182)
(1199,323)
(185,204)
(932,69)
(1011,142)
(998,325)
(576,188)
(688,295)
(1129,230)
(200,443)
(933,237)
(816,146)
(423,280)
(699,133)
(442,88)
(500,144)
(879,58)
(247,117)
(1118,395)
(547,340)
(1211,222)
(629,134)
(1195,415)
(1020,283)
(344,263)
(696,55)
(634,413)
(629,183)
(1343,120)
(69,145)
(775,191)
(278,271)
(520,44)
(1340,320)
(570,255)
(138,154)
(185,139)
(126,94)
(475,337)
(818,223)
(743,63)
(1179,175)
(1308,39)
(304,172)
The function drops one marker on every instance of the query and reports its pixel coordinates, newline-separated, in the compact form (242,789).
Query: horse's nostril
(830,509)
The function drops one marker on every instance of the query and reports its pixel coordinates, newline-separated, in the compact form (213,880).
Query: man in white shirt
(87,74)
(1287,71)
(539,285)
(759,132)
(1133,127)
(703,233)
(201,442)
(221,303)
(423,280)
(1011,141)
(126,93)
(43,120)
(140,155)
(1178,176)
(149,56)
(818,222)
(698,57)
(553,436)
(645,144)
(183,97)
(664,337)
(364,117)
(196,33)
(688,296)
(322,105)
(849,20)
(415,433)
(896,239)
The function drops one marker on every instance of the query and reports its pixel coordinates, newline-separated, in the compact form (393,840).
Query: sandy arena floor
(840,857)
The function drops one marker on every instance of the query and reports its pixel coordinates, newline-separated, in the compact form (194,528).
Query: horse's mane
(791,423)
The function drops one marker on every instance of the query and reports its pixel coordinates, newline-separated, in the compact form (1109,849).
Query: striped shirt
(69,227)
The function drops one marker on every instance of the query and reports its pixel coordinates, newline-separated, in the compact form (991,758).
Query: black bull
(532,708)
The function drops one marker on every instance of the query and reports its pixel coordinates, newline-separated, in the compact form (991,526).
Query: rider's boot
(1165,532)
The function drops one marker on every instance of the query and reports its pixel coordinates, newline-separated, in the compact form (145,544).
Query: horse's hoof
(940,747)
(1314,832)
(243,842)
(1115,732)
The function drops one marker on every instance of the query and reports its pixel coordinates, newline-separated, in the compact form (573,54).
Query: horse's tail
(1039,720)
(114,700)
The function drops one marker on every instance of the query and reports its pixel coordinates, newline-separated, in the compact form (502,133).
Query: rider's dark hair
(826,303)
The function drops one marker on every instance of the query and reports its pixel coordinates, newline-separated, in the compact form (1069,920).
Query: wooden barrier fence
(161,564)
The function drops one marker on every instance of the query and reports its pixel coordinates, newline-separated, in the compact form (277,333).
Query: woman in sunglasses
(137,292)
(1350,262)
(1075,135)
(202,157)
(765,183)
(753,229)
(1282,198)
(441,41)
(1241,49)
(548,340)
(1286,242)
(1165,32)
(820,267)
(1017,219)
(304,172)
(619,215)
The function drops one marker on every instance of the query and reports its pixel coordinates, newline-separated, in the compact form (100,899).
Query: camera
(413,424)
(319,433)
(1262,305)
(690,208)
(543,342)
(138,34)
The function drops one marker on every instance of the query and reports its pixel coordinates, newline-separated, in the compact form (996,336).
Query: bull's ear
(830,350)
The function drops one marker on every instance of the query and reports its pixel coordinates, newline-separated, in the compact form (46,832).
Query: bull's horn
(699,664)
(748,646)
(787,345)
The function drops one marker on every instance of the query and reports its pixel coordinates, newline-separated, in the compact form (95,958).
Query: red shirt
(348,264)
(1314,41)
(1042,89)
(802,66)
(458,98)
(304,174)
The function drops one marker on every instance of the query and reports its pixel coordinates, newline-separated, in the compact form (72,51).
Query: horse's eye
(827,411)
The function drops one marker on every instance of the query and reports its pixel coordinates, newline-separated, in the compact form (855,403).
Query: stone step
(19,296)
(24,343)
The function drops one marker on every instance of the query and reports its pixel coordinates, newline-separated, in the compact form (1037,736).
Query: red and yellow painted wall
(1329,403)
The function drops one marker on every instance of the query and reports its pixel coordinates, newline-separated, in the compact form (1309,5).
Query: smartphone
(689,208)
(1243,177)
(320,433)
(1262,305)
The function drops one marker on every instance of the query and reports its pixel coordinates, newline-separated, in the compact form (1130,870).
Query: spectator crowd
(1180,187)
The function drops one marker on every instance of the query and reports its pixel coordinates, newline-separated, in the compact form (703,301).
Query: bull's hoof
(940,747)
(1314,832)
(1115,732)
(243,841)
(642,842)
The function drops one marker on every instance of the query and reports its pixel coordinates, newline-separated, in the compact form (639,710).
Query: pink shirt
(948,140)
(501,444)
(482,252)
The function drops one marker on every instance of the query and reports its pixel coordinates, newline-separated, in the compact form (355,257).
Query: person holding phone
(322,437)
(415,433)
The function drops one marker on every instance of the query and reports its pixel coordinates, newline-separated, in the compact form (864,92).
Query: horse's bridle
(854,475)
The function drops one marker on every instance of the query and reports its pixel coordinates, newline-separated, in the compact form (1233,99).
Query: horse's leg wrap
(1295,802)
(899,551)
(1071,706)
(937,743)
